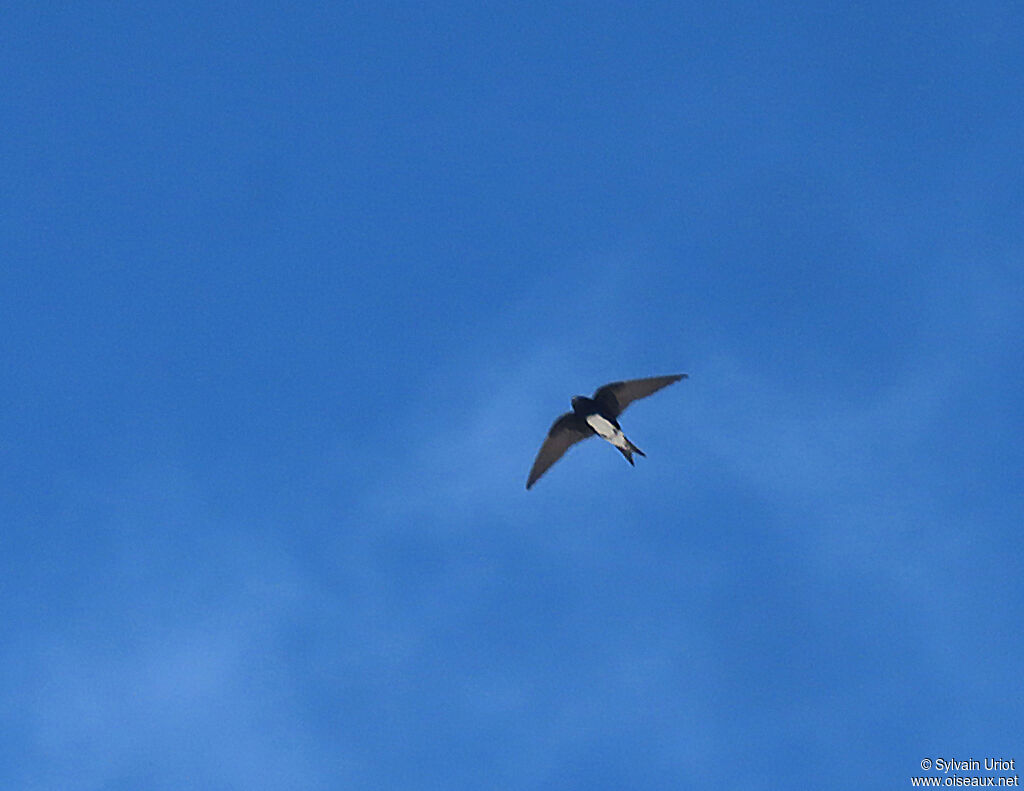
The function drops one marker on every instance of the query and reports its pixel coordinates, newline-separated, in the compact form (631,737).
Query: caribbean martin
(596,415)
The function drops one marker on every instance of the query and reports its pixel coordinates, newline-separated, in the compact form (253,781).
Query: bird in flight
(596,416)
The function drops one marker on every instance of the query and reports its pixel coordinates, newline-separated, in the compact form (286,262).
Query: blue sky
(291,293)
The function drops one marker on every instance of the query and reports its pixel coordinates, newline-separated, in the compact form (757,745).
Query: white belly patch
(606,430)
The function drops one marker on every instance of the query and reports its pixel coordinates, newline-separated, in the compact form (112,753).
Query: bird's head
(576,401)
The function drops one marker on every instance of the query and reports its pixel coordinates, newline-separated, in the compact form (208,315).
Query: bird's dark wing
(565,432)
(615,397)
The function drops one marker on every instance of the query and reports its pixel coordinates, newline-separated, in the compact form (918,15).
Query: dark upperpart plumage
(608,402)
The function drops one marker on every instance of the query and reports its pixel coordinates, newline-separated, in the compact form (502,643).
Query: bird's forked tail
(629,450)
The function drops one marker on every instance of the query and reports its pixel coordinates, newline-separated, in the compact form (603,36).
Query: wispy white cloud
(172,665)
(439,599)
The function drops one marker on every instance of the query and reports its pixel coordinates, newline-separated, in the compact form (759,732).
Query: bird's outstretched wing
(565,432)
(615,397)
